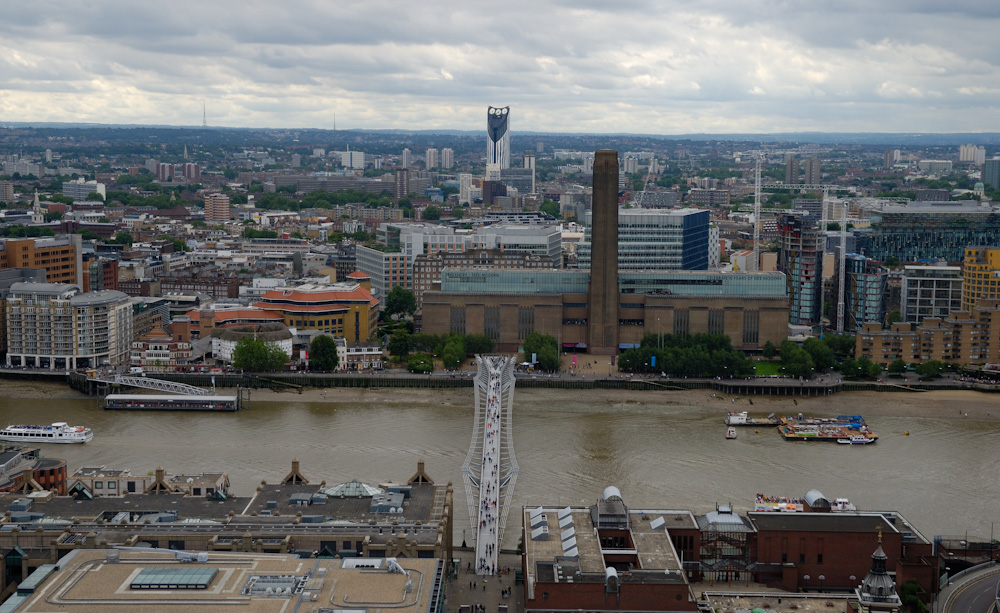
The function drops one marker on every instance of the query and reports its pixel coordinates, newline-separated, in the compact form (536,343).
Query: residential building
(358,356)
(962,337)
(972,153)
(464,188)
(406,159)
(497,139)
(6,191)
(655,239)
(447,158)
(929,231)
(158,352)
(800,257)
(991,172)
(935,167)
(791,170)
(61,257)
(81,188)
(813,175)
(342,309)
(980,275)
(217,208)
(931,290)
(707,197)
(864,291)
(431,158)
(57,326)
(520,179)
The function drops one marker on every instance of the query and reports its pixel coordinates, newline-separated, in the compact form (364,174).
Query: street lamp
(806,579)
(463,539)
(821,579)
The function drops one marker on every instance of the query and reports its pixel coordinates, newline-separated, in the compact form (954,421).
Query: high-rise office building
(791,170)
(800,257)
(217,208)
(447,158)
(431,158)
(991,172)
(602,299)
(813,175)
(655,239)
(497,138)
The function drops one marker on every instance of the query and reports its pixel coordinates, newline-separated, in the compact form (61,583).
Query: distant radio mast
(204,115)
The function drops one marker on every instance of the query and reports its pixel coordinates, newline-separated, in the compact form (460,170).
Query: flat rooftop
(649,534)
(88,581)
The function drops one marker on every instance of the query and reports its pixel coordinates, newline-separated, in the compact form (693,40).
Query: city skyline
(719,67)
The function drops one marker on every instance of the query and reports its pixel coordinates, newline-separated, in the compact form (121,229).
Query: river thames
(661,451)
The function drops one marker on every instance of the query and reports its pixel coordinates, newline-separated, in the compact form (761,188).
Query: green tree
(420,363)
(894,316)
(400,301)
(478,344)
(546,349)
(53,216)
(323,353)
(454,352)
(820,353)
(94,197)
(179,245)
(770,350)
(550,208)
(931,369)
(795,361)
(892,262)
(897,367)
(431,213)
(122,238)
(257,355)
(399,343)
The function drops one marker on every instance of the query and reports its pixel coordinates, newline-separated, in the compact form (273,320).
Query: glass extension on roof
(186,578)
(353,489)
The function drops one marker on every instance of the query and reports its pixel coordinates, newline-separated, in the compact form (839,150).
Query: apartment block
(60,257)
(963,337)
(980,275)
(930,291)
(59,327)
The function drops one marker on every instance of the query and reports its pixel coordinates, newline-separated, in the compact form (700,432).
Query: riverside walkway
(490,469)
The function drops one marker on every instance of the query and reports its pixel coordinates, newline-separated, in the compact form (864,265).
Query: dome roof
(353,489)
(611,493)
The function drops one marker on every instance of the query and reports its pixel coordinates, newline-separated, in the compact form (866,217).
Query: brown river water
(660,451)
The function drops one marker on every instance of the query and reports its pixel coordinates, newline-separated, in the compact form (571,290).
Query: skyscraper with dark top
(602,325)
(497,140)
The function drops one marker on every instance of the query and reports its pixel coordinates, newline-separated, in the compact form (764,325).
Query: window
(802,558)
(819,558)
(98,485)
(112,485)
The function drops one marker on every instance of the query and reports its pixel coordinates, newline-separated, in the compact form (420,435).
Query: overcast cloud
(569,66)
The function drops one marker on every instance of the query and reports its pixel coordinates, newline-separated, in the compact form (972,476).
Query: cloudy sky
(663,67)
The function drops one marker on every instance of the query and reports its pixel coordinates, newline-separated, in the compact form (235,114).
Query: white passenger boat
(857,439)
(59,432)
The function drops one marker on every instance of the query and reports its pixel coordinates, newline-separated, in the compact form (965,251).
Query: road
(977,596)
